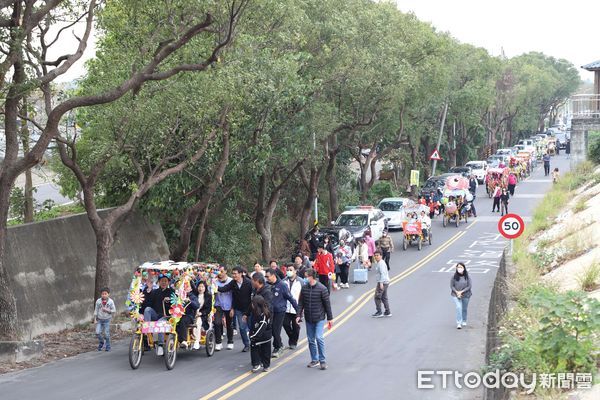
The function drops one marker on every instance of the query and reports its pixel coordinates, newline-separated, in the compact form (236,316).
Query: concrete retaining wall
(52,267)
(497,308)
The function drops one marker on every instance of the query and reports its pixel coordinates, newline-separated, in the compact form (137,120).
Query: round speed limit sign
(511,226)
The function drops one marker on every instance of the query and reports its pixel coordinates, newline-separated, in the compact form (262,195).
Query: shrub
(590,277)
(594,147)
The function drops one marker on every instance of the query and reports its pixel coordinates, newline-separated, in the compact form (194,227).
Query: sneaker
(464,323)
(378,314)
(218,347)
(184,344)
(292,347)
(458,326)
(266,369)
(160,351)
(196,345)
(313,364)
(246,349)
(277,353)
(387,314)
(323,366)
(235,332)
(347,286)
(256,368)
(229,346)
(107,349)
(100,347)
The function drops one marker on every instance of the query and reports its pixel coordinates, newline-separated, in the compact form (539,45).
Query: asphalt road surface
(367,358)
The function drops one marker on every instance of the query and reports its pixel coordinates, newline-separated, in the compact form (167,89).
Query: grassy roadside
(545,330)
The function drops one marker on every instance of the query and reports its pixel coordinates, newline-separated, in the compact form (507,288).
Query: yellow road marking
(348,312)
(469,227)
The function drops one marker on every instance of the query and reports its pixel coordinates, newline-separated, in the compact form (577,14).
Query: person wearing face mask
(460,286)
(281,296)
(291,327)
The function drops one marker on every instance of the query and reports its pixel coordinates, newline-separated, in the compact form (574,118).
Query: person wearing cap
(156,305)
(385,244)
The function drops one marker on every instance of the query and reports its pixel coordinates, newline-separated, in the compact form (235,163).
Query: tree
(29,29)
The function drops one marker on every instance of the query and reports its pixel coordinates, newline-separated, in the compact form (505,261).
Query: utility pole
(316,195)
(439,142)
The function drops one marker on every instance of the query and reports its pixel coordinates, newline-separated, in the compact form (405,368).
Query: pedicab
(181,276)
(551,146)
(412,227)
(456,191)
(495,177)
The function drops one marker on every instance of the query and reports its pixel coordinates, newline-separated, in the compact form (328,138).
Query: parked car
(561,140)
(479,169)
(357,221)
(393,209)
(433,184)
(464,171)
(507,151)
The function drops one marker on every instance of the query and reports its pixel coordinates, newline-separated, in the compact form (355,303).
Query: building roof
(594,66)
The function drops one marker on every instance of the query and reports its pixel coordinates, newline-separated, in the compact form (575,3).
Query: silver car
(393,209)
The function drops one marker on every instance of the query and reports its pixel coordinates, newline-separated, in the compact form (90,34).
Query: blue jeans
(103,325)
(243,327)
(151,315)
(314,333)
(461,308)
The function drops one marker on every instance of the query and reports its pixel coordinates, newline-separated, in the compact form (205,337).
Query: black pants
(511,189)
(546,169)
(324,279)
(473,210)
(292,329)
(182,327)
(277,325)
(261,354)
(496,204)
(344,269)
(504,207)
(386,257)
(219,325)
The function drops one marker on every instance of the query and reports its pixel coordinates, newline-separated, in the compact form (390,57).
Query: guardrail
(585,105)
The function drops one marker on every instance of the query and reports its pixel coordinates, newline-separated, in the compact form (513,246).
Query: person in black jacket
(314,304)
(260,334)
(188,319)
(156,305)
(281,295)
(261,289)
(206,303)
(241,288)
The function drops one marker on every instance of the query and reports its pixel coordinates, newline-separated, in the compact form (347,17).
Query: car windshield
(390,206)
(476,166)
(352,220)
(459,169)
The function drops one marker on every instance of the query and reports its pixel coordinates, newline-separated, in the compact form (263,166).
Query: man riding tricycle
(167,307)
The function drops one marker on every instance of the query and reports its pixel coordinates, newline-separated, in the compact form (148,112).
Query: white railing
(585,106)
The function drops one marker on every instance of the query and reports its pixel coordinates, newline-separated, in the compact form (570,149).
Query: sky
(562,29)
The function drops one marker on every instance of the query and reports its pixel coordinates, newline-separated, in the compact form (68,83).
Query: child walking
(103,313)
(555,175)
(261,333)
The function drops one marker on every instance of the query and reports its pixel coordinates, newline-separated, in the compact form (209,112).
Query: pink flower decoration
(177,311)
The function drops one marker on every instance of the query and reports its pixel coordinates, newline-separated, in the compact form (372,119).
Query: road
(367,358)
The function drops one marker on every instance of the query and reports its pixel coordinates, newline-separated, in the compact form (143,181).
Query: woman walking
(460,286)
(504,200)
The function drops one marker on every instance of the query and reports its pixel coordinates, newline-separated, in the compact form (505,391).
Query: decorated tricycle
(182,282)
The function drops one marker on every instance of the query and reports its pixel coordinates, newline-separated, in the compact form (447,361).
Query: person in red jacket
(324,266)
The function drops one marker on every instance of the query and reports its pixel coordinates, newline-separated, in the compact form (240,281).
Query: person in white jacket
(290,325)
(361,254)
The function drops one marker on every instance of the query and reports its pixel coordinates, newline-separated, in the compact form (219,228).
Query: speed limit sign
(511,226)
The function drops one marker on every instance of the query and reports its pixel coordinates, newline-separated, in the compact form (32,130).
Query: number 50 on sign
(511,226)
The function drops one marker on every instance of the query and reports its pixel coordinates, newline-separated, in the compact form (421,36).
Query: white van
(478,168)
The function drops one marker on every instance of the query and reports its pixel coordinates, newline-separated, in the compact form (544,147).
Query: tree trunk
(191,215)
(28,206)
(311,193)
(331,178)
(104,242)
(8,305)
(201,233)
